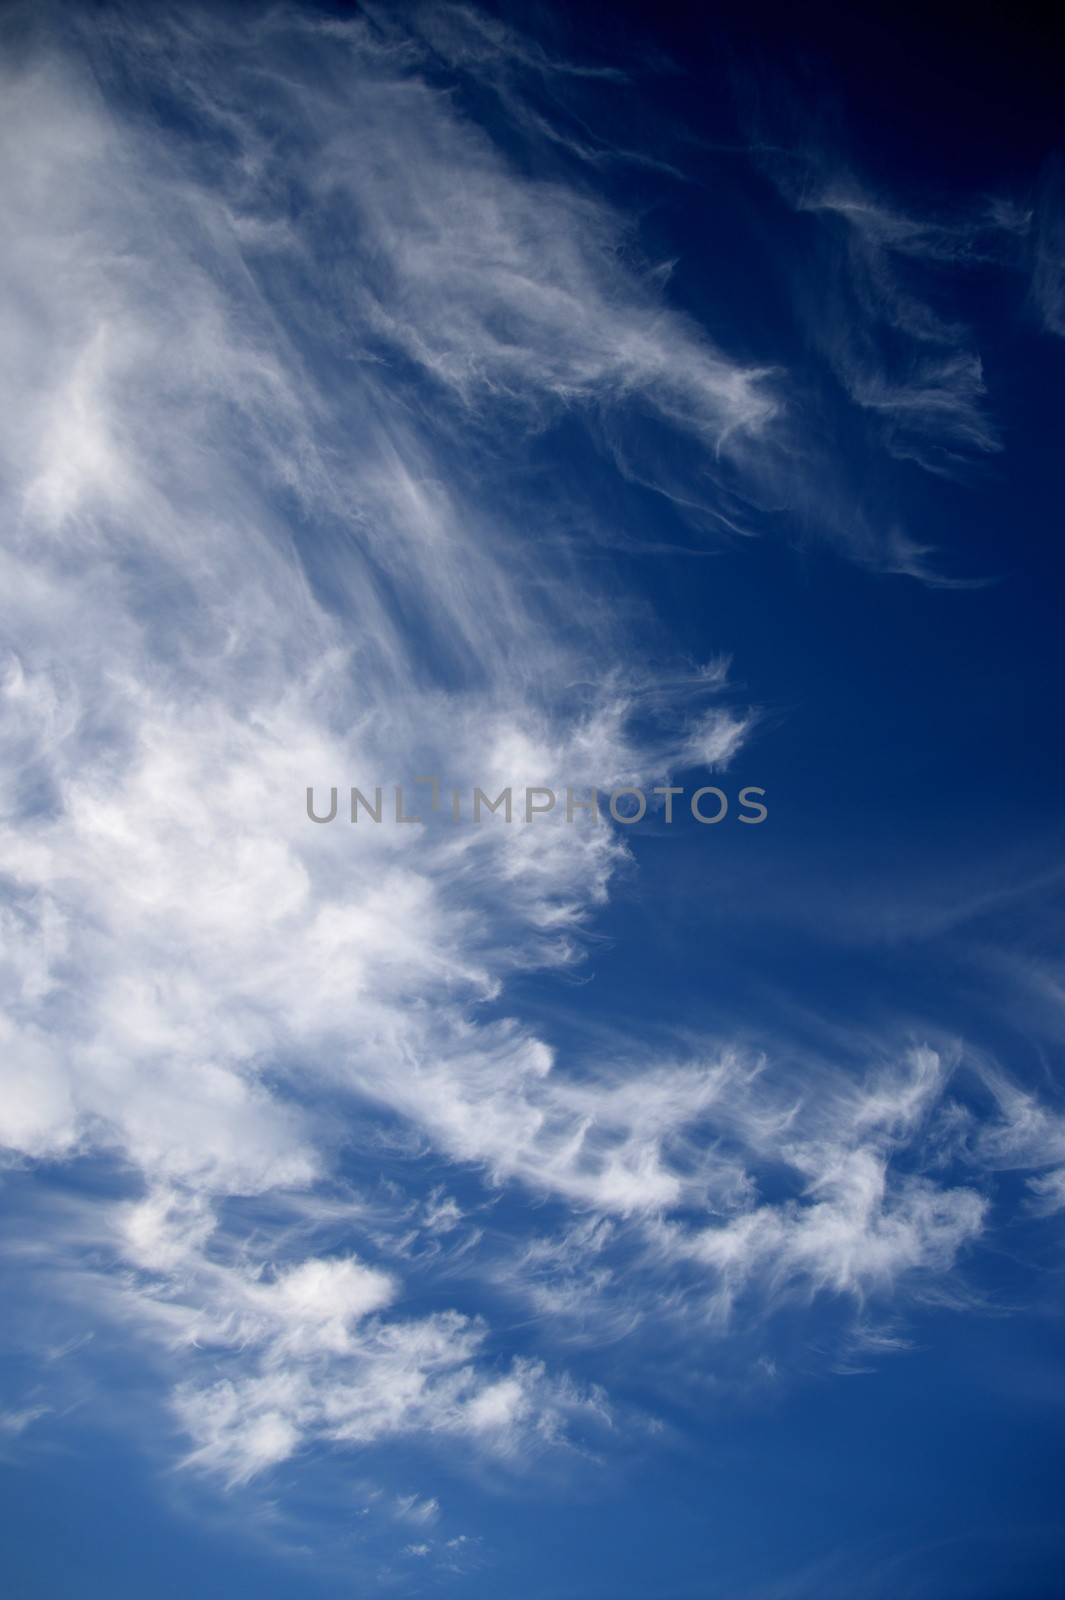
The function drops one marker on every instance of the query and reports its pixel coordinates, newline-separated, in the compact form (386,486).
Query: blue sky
(549,397)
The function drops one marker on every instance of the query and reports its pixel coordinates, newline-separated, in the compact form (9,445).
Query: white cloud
(245,558)
(409,1508)
(397,1378)
(896,355)
(13,1423)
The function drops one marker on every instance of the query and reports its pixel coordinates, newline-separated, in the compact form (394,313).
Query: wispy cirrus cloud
(914,368)
(1047,224)
(272,302)
(195,969)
